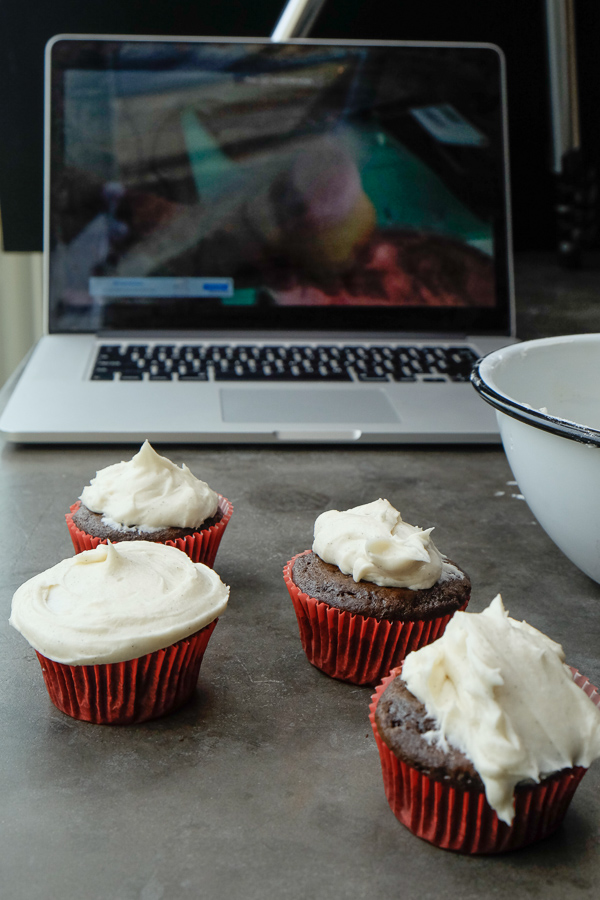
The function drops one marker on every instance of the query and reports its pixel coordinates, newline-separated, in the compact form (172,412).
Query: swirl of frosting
(116,602)
(372,543)
(150,492)
(500,692)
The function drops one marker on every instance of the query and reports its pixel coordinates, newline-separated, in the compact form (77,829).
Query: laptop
(271,242)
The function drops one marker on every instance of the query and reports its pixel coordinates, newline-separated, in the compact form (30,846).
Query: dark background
(517,27)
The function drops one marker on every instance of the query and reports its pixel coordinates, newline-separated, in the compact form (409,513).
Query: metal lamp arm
(297,19)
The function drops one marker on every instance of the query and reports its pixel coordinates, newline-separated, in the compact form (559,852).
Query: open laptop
(249,241)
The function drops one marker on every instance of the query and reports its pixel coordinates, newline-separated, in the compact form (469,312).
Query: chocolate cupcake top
(372,543)
(116,602)
(498,692)
(325,582)
(404,725)
(98,525)
(149,493)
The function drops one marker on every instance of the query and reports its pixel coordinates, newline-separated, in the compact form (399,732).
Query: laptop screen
(225,184)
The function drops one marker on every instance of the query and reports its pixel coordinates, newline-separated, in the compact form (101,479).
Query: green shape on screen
(406,193)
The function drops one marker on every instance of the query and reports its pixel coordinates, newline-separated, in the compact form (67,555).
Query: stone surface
(268,784)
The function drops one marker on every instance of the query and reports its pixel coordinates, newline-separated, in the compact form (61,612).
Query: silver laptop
(249,241)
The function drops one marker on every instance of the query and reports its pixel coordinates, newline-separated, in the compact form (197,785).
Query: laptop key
(460,363)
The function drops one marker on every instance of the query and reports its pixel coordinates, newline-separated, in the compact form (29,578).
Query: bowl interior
(557,376)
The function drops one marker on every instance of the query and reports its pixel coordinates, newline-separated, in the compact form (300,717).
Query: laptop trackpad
(291,405)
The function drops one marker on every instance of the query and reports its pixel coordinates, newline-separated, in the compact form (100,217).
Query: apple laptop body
(248,241)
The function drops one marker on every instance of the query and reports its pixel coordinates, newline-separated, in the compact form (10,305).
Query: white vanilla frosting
(117,602)
(372,543)
(150,492)
(500,692)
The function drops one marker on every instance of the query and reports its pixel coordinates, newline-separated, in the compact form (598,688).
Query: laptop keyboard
(224,362)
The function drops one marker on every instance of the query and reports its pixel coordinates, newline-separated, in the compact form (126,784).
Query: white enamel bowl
(547,399)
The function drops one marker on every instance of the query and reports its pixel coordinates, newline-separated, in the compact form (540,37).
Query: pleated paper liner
(351,647)
(200,547)
(462,820)
(124,693)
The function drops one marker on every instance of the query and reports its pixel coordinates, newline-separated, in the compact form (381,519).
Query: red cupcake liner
(463,820)
(201,546)
(351,647)
(133,691)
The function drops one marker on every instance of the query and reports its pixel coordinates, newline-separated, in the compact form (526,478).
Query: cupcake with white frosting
(372,589)
(149,498)
(485,735)
(120,631)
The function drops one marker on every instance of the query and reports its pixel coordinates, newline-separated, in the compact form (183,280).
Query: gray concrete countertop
(268,784)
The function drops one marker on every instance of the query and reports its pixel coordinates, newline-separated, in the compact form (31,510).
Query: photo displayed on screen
(266,175)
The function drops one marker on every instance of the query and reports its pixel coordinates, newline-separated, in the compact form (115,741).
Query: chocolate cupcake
(97,525)
(149,498)
(372,589)
(120,631)
(402,721)
(325,582)
(485,735)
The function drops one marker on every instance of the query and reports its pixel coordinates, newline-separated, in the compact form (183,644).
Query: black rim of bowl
(553,425)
